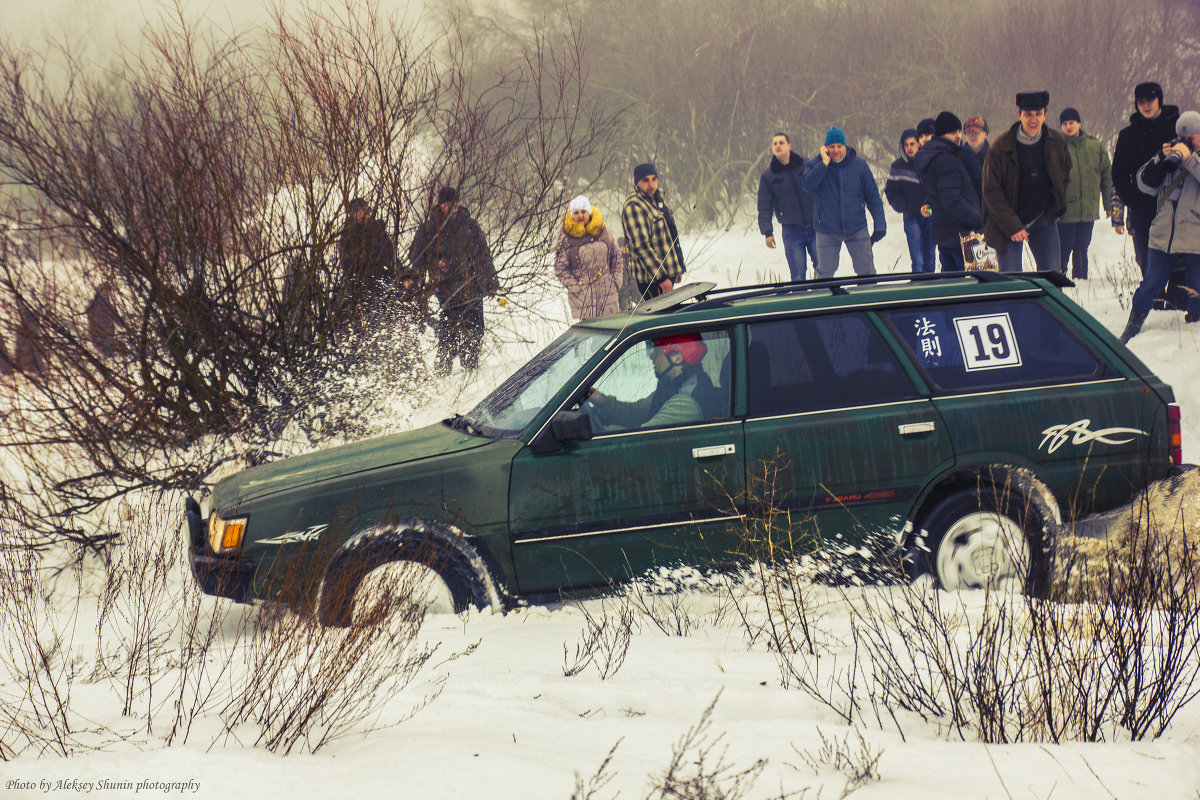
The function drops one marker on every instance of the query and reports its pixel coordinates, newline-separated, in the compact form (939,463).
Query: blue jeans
(799,244)
(1074,239)
(1139,231)
(1158,271)
(919,232)
(952,259)
(1043,243)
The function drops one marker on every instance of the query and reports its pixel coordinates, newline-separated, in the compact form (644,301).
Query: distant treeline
(706,82)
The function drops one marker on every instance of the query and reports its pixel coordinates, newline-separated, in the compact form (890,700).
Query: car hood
(336,462)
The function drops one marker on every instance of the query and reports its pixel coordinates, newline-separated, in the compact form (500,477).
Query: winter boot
(1133,326)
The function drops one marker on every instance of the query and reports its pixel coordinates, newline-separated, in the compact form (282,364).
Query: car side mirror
(565,426)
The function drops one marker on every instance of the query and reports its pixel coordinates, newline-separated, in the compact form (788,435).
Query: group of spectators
(1034,184)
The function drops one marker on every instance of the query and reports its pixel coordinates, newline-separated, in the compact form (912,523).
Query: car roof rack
(707,295)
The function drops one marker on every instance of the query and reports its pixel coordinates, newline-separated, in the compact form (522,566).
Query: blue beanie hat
(835,135)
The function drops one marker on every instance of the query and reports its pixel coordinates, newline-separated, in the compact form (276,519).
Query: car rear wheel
(985,535)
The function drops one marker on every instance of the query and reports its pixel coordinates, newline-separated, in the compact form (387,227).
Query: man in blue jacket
(842,187)
(780,196)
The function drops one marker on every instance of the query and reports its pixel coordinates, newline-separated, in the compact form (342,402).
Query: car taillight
(1175,432)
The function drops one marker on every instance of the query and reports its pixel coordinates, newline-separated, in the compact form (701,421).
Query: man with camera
(1173,178)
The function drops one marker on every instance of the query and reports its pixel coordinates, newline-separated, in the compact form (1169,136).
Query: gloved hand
(877,235)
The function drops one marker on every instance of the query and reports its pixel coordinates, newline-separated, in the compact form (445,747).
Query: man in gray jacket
(1174,177)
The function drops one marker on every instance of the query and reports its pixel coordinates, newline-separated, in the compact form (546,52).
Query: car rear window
(816,363)
(971,346)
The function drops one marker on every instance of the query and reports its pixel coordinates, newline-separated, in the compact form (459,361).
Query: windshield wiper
(460,423)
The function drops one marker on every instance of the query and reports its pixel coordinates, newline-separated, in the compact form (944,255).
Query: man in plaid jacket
(655,257)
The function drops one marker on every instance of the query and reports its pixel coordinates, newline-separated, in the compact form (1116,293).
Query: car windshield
(512,405)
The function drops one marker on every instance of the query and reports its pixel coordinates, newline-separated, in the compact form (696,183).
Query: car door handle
(915,427)
(715,450)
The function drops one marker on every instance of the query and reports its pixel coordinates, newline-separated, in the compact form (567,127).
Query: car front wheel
(409,581)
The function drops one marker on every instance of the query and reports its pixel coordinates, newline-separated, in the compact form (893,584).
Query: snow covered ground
(508,723)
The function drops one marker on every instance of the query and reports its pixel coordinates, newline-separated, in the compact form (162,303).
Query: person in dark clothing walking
(452,252)
(780,195)
(367,254)
(905,195)
(974,151)
(1024,187)
(1150,127)
(1089,187)
(946,183)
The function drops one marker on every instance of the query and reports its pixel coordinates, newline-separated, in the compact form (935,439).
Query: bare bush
(679,600)
(698,769)
(1115,658)
(780,551)
(605,640)
(138,611)
(1110,654)
(35,657)
(172,251)
(588,789)
(305,685)
(852,755)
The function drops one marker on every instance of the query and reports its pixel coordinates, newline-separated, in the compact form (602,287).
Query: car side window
(675,379)
(968,346)
(815,363)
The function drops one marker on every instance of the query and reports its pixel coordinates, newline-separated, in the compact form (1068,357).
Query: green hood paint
(340,462)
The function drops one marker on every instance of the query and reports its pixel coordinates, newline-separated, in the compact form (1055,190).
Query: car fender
(444,547)
(1019,478)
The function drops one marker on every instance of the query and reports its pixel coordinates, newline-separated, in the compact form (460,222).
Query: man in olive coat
(1090,187)
(1024,187)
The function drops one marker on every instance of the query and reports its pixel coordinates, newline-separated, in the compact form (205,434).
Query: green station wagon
(958,420)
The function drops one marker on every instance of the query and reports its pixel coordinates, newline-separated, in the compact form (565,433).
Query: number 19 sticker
(987,342)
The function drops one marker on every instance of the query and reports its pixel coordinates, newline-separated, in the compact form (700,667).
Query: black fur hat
(1032,101)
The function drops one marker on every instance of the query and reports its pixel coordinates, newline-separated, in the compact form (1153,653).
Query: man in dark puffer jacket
(947,185)
(780,195)
(1150,127)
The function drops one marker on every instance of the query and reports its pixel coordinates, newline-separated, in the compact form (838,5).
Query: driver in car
(678,397)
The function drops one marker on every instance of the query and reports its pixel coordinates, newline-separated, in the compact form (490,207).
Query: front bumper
(220,576)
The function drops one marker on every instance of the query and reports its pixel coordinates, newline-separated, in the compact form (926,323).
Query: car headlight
(225,535)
